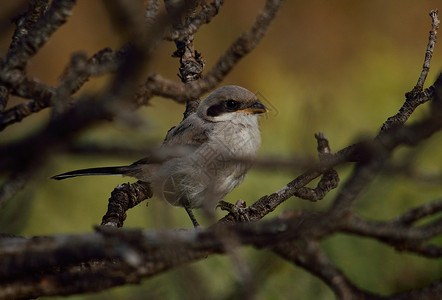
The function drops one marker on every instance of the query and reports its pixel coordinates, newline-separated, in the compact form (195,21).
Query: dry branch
(158,85)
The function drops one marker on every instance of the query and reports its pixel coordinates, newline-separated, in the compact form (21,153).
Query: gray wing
(180,140)
(192,131)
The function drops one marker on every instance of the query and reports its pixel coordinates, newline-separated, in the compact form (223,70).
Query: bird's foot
(239,210)
(191,215)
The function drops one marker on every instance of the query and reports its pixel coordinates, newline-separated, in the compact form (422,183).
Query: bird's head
(227,102)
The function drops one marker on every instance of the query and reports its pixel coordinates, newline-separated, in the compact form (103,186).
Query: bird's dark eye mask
(223,107)
(232,106)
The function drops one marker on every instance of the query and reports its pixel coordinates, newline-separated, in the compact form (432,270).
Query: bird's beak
(256,108)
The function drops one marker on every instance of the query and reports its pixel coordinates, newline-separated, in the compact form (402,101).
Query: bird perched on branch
(204,157)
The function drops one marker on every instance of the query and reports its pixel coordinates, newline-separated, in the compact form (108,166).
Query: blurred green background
(339,67)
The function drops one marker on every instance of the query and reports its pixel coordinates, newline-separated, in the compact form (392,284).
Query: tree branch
(27,45)
(157,85)
(417,95)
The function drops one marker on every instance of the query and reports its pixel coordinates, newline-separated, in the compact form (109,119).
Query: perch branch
(124,197)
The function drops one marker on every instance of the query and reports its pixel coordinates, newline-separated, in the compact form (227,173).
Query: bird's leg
(189,211)
(238,210)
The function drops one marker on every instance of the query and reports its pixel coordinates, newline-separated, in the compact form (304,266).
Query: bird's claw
(238,210)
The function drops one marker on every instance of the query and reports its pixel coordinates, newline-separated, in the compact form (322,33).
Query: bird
(204,157)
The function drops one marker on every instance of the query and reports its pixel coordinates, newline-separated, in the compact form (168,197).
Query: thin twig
(310,256)
(39,34)
(420,212)
(152,10)
(4,96)
(430,49)
(417,95)
(195,22)
(43,96)
(25,22)
(157,85)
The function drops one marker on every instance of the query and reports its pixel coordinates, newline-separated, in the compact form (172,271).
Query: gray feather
(93,171)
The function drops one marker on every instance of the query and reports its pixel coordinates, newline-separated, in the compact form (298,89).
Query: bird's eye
(232,104)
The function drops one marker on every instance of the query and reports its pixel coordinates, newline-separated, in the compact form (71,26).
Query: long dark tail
(93,171)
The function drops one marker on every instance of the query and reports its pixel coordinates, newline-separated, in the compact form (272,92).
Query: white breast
(214,169)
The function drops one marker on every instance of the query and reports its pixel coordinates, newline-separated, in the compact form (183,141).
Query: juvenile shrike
(219,140)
